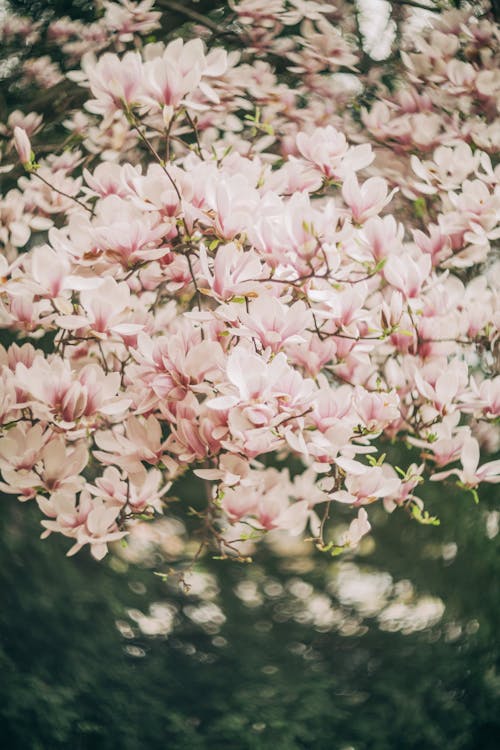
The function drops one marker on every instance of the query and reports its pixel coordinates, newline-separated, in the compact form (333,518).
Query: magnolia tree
(254,253)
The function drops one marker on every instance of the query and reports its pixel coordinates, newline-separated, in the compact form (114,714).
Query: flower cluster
(220,278)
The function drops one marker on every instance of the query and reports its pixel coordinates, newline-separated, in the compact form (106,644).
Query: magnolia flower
(471,474)
(115,82)
(234,272)
(328,149)
(21,447)
(358,528)
(365,200)
(85,521)
(368,485)
(272,323)
(23,146)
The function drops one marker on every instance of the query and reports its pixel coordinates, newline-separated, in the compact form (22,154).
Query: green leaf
(423,517)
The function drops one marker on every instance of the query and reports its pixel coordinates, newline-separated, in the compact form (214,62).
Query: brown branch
(420,6)
(193,15)
(61,192)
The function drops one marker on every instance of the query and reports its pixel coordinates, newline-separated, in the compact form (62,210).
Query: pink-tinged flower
(110,179)
(408,274)
(383,236)
(30,123)
(358,528)
(50,271)
(365,200)
(442,383)
(328,149)
(171,365)
(24,312)
(425,129)
(377,120)
(240,502)
(445,442)
(232,469)
(413,478)
(14,354)
(235,203)
(167,79)
(22,445)
(367,486)
(234,272)
(126,234)
(324,49)
(448,169)
(59,467)
(107,311)
(376,410)
(23,146)
(102,392)
(45,199)
(479,207)
(391,311)
(344,305)
(471,474)
(110,487)
(115,82)
(86,521)
(276,512)
(313,354)
(126,18)
(250,378)
(331,407)
(57,392)
(489,397)
(179,71)
(63,464)
(246,435)
(294,176)
(437,244)
(197,432)
(142,441)
(8,396)
(461,77)
(273,323)
(141,492)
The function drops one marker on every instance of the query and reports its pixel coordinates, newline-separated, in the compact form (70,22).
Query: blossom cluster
(219,278)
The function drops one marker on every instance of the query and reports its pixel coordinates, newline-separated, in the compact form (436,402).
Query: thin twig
(193,15)
(60,192)
(421,6)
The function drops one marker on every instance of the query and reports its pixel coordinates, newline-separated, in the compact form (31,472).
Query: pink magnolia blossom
(272,323)
(224,283)
(408,274)
(376,410)
(366,200)
(471,473)
(106,311)
(367,486)
(127,17)
(329,150)
(234,272)
(115,82)
(358,528)
(23,145)
(86,522)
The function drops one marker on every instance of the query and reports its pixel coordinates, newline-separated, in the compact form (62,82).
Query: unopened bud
(23,146)
(168,113)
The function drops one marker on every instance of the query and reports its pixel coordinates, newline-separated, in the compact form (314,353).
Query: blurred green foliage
(267,673)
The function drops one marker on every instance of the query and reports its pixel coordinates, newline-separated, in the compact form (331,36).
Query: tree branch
(415,4)
(193,15)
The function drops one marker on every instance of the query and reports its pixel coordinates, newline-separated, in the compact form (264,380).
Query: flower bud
(23,146)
